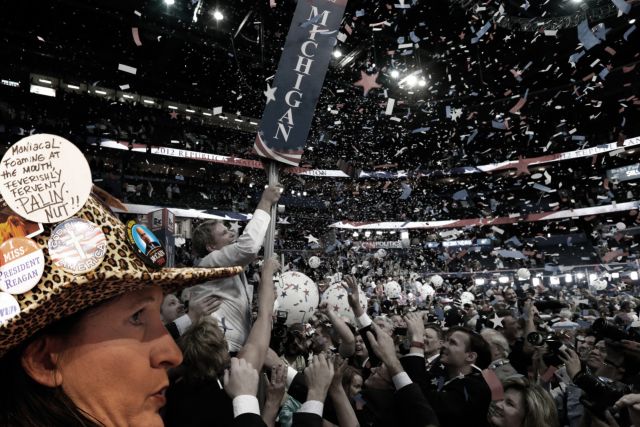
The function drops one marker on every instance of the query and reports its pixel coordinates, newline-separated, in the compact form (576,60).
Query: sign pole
(273,175)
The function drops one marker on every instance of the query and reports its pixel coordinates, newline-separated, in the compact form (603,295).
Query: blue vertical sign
(292,99)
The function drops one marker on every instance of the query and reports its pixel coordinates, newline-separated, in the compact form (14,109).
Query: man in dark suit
(461,397)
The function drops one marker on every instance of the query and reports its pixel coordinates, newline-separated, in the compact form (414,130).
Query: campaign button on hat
(37,182)
(146,245)
(21,265)
(77,246)
(9,307)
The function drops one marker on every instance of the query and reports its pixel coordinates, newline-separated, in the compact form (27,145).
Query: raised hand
(571,361)
(240,379)
(384,347)
(632,403)
(319,375)
(415,326)
(353,295)
(203,307)
(276,384)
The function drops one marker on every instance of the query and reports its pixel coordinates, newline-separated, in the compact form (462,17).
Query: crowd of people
(456,354)
(411,349)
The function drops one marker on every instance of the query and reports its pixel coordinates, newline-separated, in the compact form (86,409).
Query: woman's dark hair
(26,403)
(349,374)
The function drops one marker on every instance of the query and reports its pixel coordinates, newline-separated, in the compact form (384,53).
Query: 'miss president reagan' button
(21,265)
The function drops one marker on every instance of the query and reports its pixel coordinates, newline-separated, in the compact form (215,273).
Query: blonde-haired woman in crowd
(524,405)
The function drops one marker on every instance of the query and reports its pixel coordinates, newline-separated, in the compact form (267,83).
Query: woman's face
(171,308)
(356,386)
(114,363)
(508,412)
(361,349)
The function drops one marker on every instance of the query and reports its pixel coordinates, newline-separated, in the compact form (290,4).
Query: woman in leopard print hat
(88,348)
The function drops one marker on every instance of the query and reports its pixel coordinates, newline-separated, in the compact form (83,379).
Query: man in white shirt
(216,246)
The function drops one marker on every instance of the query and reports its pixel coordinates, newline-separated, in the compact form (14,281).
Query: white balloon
(381,253)
(298,295)
(392,289)
(467,297)
(336,297)
(427,291)
(599,285)
(314,262)
(437,280)
(523,274)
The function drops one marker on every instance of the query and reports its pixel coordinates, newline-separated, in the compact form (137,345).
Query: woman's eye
(136,319)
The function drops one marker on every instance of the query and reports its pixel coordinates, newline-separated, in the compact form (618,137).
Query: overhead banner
(483,222)
(373,244)
(400,174)
(291,100)
(625,173)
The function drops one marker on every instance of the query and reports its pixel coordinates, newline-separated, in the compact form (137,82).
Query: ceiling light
(100,92)
(42,90)
(337,53)
(395,74)
(568,278)
(355,234)
(169,2)
(632,21)
(10,83)
(207,114)
(188,110)
(127,96)
(218,16)
(422,83)
(148,101)
(45,81)
(479,282)
(172,107)
(73,87)
(580,275)
(411,80)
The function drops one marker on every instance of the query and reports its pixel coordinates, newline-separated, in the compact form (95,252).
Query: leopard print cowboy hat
(59,293)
